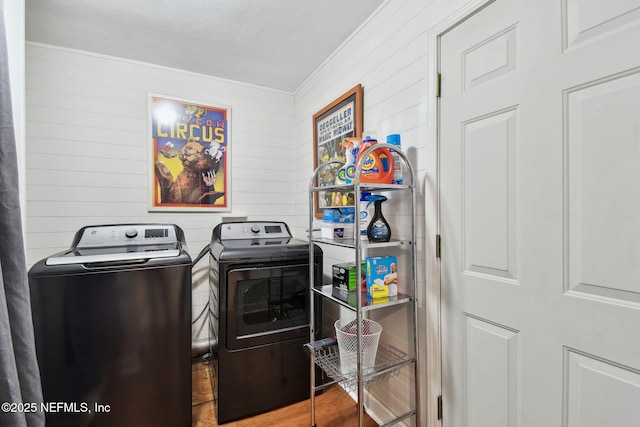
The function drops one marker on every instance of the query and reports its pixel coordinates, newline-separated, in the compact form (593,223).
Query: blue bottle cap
(393,139)
(369,136)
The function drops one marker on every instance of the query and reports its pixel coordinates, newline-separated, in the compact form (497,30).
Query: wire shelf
(389,361)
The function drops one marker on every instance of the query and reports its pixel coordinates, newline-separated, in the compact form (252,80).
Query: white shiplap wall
(87,149)
(389,55)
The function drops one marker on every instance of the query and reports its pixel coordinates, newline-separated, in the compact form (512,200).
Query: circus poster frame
(190,155)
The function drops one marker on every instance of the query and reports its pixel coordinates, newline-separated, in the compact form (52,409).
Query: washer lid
(120,243)
(114,254)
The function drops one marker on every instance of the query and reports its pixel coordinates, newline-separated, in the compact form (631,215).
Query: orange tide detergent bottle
(378,166)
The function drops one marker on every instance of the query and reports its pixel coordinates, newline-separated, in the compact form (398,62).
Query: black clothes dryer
(259,317)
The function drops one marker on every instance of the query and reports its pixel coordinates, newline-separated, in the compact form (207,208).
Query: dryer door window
(267,305)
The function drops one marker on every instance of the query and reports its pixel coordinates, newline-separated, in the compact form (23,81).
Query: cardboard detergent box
(345,277)
(338,215)
(337,223)
(382,276)
(336,230)
(346,296)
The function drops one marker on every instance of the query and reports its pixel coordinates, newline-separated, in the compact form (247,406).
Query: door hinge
(440,407)
(438,246)
(438,84)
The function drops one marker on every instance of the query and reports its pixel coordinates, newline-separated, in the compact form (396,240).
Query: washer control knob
(255,228)
(131,233)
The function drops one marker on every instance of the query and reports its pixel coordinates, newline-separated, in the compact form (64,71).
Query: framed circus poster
(332,125)
(190,155)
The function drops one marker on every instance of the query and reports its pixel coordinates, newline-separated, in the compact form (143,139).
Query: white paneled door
(539,121)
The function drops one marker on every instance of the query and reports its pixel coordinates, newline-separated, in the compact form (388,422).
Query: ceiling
(271,43)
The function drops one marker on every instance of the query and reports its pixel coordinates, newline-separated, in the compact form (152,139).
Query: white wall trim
(432,209)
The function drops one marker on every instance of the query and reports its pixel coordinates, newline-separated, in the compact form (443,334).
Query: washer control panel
(129,234)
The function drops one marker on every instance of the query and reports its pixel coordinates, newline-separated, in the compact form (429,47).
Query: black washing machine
(259,317)
(112,321)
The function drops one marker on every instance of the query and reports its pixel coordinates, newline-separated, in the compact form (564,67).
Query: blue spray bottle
(378,229)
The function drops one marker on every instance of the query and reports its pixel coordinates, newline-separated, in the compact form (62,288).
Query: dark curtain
(19,374)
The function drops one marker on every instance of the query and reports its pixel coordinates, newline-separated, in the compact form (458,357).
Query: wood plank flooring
(334,408)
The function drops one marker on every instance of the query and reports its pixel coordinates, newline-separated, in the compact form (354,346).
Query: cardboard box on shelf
(336,230)
(345,276)
(382,276)
(337,223)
